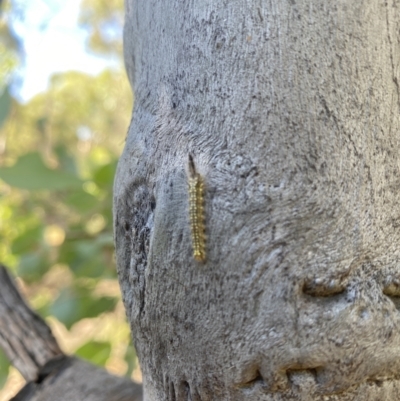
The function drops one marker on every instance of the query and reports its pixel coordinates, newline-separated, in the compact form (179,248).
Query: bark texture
(290,111)
(51,376)
(25,338)
(71,379)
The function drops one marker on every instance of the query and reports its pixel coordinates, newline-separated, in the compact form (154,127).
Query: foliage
(97,352)
(8,49)
(31,173)
(8,61)
(65,217)
(5,105)
(104,18)
(58,155)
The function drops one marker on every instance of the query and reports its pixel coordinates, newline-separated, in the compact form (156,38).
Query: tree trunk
(289,111)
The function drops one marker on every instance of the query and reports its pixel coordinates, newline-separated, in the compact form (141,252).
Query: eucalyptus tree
(275,125)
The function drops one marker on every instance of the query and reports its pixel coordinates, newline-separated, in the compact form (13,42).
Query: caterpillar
(196,212)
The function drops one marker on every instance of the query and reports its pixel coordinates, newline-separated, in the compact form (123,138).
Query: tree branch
(24,336)
(52,376)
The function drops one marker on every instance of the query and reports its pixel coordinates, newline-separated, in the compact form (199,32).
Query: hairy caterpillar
(196,212)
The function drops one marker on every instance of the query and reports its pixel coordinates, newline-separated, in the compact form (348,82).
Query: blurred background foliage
(58,154)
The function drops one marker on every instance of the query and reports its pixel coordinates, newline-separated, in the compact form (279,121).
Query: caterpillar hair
(196,212)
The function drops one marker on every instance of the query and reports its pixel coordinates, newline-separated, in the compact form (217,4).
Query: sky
(52,42)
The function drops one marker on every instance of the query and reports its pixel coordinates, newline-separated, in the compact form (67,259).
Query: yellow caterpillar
(196,212)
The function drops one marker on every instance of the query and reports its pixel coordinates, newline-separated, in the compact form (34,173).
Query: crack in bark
(394,78)
(134,225)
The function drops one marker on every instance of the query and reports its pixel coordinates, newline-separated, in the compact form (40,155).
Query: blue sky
(52,42)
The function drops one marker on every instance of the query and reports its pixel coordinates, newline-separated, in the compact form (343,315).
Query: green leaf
(105,239)
(85,258)
(93,268)
(81,201)
(131,359)
(95,352)
(104,176)
(74,304)
(66,308)
(32,266)
(92,307)
(4,368)
(29,172)
(5,106)
(66,160)
(27,241)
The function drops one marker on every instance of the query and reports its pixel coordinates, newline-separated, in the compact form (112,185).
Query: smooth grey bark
(290,110)
(51,376)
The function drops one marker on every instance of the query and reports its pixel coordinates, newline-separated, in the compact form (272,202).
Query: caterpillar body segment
(196,212)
